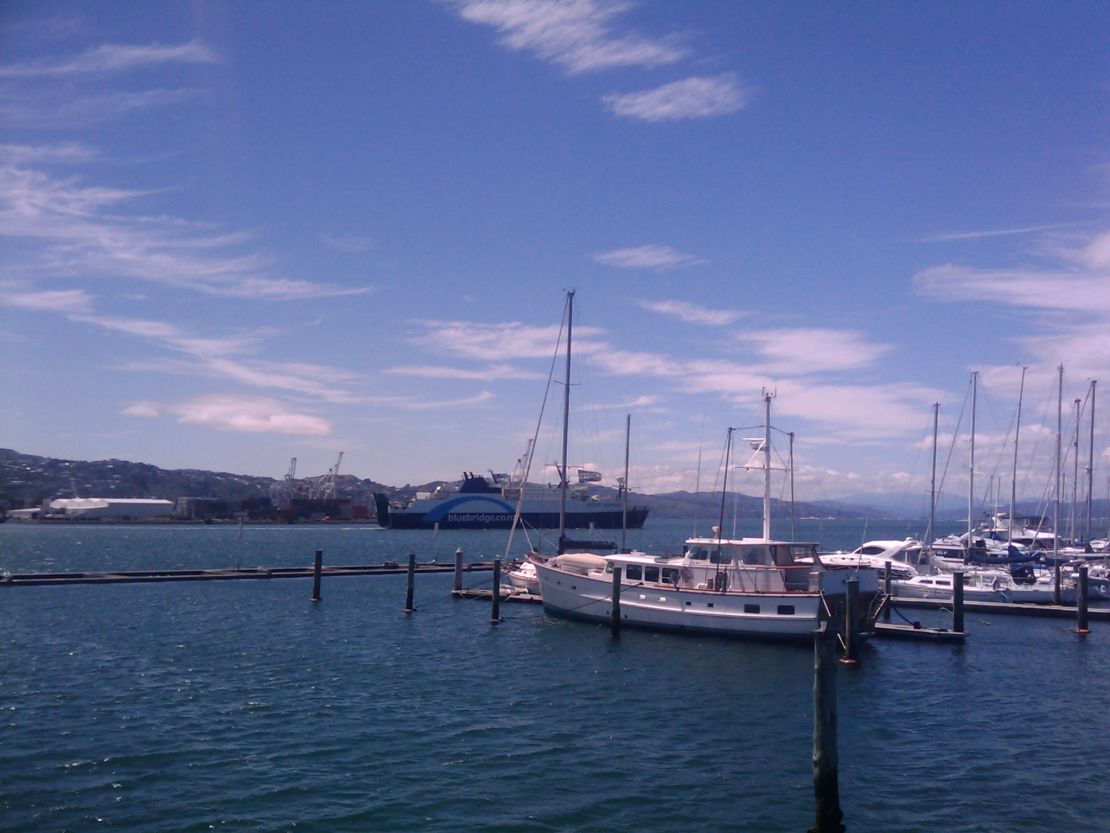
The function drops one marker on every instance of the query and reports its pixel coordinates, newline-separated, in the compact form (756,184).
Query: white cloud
(692,313)
(256,415)
(651,256)
(112,59)
(811,350)
(491,373)
(691,98)
(58,152)
(493,342)
(1073,291)
(83,231)
(577,35)
(947,237)
(55,300)
(227,357)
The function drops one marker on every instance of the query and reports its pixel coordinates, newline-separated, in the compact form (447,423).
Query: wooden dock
(230,574)
(1009,608)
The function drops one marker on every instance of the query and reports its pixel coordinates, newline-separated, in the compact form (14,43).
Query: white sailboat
(744,587)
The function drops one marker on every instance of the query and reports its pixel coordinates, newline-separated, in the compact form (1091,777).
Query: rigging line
(955,437)
(535,436)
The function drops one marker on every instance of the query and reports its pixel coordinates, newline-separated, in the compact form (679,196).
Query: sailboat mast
(971,467)
(1074,514)
(1091,462)
(624,491)
(931,533)
(767,466)
(1013,475)
(566,424)
(1056,497)
(793,535)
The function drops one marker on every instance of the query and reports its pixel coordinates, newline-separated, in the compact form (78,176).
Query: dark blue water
(242,706)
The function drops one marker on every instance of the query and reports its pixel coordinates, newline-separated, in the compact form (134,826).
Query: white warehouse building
(109,508)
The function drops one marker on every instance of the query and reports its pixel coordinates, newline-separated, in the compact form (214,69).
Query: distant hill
(29,480)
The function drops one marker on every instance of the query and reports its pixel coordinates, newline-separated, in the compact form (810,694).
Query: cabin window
(751,608)
(634,572)
(718,557)
(670,575)
(786,610)
(700,554)
(752,555)
(651,574)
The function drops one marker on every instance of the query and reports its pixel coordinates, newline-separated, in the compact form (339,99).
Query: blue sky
(238,233)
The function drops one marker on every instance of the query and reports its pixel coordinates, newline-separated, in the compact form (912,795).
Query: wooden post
(1081,591)
(495,610)
(1056,584)
(412,575)
(886,590)
(317,567)
(958,601)
(615,613)
(458,570)
(826,787)
(851,622)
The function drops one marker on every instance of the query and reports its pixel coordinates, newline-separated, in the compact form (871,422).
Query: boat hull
(787,615)
(486,512)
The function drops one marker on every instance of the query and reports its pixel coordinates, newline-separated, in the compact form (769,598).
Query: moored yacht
(745,587)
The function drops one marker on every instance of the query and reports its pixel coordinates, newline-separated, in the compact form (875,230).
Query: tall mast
(971,468)
(1056,497)
(1074,520)
(566,423)
(624,491)
(793,535)
(767,466)
(1013,476)
(931,532)
(1091,463)
(724,496)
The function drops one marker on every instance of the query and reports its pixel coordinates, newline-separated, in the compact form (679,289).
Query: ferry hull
(485,511)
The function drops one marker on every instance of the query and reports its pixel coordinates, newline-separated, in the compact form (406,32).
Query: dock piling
(458,570)
(826,787)
(886,590)
(851,622)
(958,601)
(495,608)
(1056,583)
(317,569)
(411,581)
(615,613)
(1081,592)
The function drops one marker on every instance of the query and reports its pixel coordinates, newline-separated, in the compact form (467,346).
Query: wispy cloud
(692,313)
(578,35)
(250,414)
(1042,290)
(946,237)
(85,230)
(52,300)
(651,256)
(486,374)
(494,342)
(348,242)
(802,351)
(59,152)
(112,59)
(698,97)
(230,358)
(645,401)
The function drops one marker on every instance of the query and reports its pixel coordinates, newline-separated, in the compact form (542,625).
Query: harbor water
(242,706)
